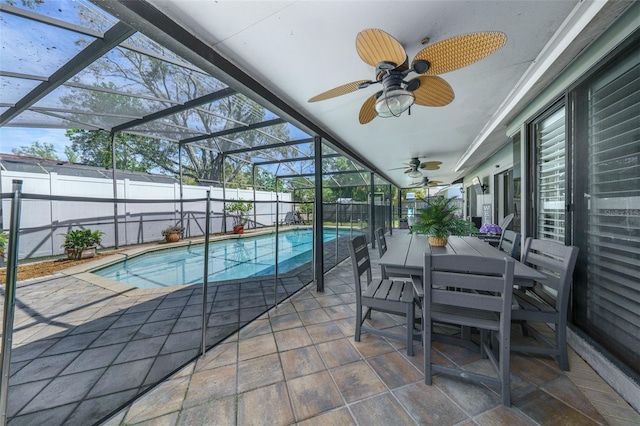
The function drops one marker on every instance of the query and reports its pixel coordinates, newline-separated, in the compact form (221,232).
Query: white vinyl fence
(144,209)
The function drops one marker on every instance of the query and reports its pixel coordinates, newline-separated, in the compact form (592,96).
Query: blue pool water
(228,260)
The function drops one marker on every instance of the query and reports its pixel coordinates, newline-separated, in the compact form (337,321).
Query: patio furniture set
(471,285)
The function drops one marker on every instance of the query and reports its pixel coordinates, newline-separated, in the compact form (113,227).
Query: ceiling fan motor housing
(393,80)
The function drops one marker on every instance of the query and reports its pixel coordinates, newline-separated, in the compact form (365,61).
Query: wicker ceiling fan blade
(375,46)
(460,51)
(433,91)
(426,182)
(339,91)
(430,165)
(368,110)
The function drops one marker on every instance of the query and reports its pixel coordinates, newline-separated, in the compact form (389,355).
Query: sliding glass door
(607,216)
(549,175)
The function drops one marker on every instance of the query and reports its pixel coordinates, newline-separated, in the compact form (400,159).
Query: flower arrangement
(490,228)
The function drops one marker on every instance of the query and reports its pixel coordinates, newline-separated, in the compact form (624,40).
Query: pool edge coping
(85,273)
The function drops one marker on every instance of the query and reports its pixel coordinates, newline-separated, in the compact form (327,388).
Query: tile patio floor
(297,364)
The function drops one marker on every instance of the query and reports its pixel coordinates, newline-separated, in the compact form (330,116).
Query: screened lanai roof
(71,65)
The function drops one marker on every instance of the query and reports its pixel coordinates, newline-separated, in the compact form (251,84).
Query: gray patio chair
(504,224)
(382,249)
(395,297)
(381,241)
(289,218)
(510,243)
(470,291)
(548,301)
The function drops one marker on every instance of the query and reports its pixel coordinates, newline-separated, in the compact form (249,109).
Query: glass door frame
(532,159)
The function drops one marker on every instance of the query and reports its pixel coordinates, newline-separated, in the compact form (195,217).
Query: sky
(14,137)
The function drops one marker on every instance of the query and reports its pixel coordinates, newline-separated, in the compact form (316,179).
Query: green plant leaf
(81,239)
(439,219)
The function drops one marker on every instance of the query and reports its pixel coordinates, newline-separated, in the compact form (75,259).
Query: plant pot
(437,242)
(238,229)
(87,253)
(172,237)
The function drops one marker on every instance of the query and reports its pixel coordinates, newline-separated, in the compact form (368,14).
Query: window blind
(613,224)
(551,142)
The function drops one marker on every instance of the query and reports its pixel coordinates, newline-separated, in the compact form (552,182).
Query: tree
(169,83)
(39,150)
(142,77)
(71,155)
(133,153)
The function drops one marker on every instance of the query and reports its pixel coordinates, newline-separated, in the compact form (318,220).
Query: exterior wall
(615,35)
(42,221)
(498,163)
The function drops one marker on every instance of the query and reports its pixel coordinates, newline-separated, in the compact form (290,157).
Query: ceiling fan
(386,54)
(426,182)
(414,166)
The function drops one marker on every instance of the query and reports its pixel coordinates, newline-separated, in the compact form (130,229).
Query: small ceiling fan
(426,182)
(386,54)
(414,166)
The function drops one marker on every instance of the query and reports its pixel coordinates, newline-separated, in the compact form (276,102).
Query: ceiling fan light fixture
(414,174)
(392,103)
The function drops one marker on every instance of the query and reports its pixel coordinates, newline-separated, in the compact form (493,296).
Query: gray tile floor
(82,351)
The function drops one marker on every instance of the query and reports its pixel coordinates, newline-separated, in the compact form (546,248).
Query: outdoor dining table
(405,256)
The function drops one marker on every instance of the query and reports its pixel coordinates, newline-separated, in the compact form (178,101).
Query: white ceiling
(302,48)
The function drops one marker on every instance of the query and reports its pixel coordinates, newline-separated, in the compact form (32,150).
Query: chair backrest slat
(469,281)
(360,260)
(540,261)
(381,241)
(482,302)
(481,282)
(504,224)
(471,263)
(510,243)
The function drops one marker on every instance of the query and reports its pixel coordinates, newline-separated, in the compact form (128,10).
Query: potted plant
(439,220)
(238,209)
(81,243)
(4,240)
(173,233)
(306,209)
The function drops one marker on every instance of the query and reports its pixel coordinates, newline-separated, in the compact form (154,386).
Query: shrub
(4,239)
(238,209)
(172,229)
(81,239)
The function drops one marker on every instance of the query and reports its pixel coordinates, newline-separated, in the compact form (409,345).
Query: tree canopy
(37,149)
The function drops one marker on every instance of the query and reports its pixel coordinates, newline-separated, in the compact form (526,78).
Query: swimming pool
(228,259)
